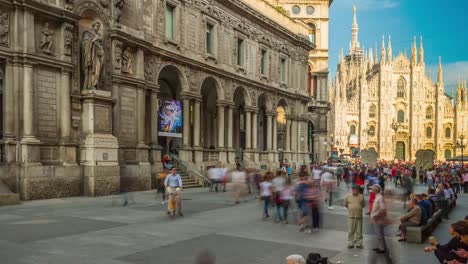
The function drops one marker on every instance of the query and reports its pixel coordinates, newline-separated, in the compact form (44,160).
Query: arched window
(448,132)
(428,132)
(448,154)
(372,131)
(401,116)
(311,32)
(429,112)
(372,111)
(401,88)
(352,130)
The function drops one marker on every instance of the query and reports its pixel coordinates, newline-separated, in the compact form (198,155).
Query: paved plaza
(100,230)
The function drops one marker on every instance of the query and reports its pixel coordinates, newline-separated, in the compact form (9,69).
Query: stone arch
(178,76)
(209,92)
(283,103)
(217,84)
(241,90)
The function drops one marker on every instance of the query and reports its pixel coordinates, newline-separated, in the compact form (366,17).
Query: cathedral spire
(376,55)
(389,52)
(421,52)
(371,57)
(382,53)
(439,73)
(413,53)
(355,30)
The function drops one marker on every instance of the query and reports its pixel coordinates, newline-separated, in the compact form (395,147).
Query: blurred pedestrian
(328,184)
(295,259)
(355,203)
(278,185)
(266,189)
(286,197)
(312,201)
(238,180)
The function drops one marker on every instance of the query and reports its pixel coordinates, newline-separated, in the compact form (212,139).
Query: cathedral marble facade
(391,105)
(82,81)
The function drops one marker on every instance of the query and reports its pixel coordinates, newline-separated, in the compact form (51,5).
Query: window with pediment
(401,116)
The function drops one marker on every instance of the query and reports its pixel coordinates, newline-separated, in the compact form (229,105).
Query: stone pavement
(96,230)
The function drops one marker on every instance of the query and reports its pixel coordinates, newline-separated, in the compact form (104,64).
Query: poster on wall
(170,118)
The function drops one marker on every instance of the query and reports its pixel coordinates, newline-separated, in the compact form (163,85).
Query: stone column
(269,128)
(220,115)
(269,131)
(288,135)
(67,152)
(221,125)
(28,104)
(198,151)
(275,138)
(254,137)
(231,153)
(65,106)
(10,102)
(248,129)
(294,140)
(140,117)
(186,123)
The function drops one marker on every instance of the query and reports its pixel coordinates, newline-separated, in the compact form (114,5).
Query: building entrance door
(400,151)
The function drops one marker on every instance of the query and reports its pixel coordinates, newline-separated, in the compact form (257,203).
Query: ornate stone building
(315,14)
(82,81)
(390,104)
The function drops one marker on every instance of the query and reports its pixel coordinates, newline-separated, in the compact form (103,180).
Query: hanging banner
(170,118)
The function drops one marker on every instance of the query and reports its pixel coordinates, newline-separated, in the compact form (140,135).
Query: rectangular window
(209,39)
(170,22)
(263,62)
(240,52)
(283,70)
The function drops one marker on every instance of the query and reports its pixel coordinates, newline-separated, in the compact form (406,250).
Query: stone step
(7,197)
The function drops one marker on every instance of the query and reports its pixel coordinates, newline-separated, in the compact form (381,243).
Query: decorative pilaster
(67,153)
(142,148)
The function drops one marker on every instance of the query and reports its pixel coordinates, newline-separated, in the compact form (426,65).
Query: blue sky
(442,24)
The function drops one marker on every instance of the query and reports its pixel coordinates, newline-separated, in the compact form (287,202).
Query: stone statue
(69,4)
(68,39)
(92,49)
(4,28)
(127,61)
(118,7)
(46,39)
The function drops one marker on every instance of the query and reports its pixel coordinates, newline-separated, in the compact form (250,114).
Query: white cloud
(451,73)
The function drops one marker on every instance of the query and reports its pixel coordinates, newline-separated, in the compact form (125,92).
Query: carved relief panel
(4,28)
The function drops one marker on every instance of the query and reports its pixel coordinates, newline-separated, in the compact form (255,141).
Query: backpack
(315,258)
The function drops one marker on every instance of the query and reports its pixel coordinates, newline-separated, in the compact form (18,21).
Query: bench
(420,233)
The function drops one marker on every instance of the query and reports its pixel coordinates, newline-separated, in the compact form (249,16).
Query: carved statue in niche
(4,28)
(127,61)
(118,7)
(92,56)
(46,39)
(68,39)
(69,4)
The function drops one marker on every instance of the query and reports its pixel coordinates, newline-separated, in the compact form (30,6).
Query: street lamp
(395,126)
(459,144)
